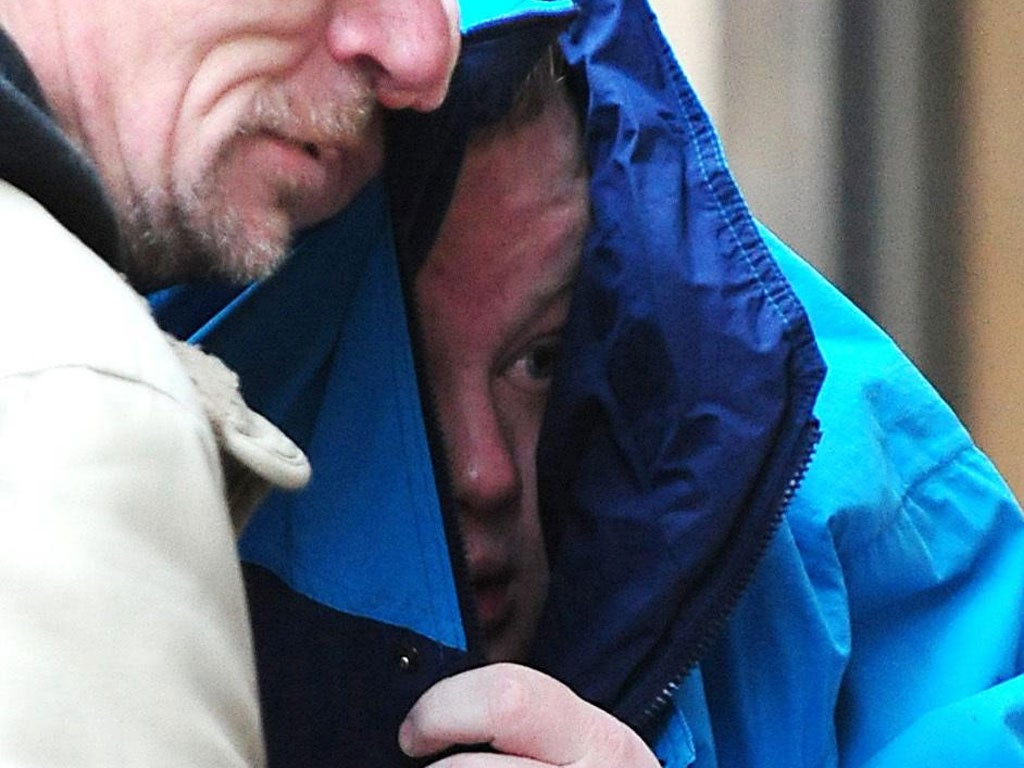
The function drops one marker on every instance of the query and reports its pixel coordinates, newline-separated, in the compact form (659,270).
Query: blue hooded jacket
(738,595)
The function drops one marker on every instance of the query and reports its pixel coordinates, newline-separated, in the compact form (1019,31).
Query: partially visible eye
(541,357)
(534,368)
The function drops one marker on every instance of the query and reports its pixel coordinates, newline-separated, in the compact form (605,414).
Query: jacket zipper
(807,444)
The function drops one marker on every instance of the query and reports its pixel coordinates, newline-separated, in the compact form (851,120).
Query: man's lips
(308,171)
(310,147)
(494,605)
(316,170)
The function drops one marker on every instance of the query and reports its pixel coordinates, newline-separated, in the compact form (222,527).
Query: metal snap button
(408,659)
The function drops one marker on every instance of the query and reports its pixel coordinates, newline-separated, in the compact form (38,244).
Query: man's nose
(407,47)
(482,461)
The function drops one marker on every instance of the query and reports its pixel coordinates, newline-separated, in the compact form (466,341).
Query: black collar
(37,157)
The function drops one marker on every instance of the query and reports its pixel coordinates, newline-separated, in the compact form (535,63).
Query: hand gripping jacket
(759,601)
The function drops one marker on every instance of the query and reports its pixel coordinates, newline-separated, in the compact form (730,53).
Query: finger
(519,712)
(488,760)
(503,705)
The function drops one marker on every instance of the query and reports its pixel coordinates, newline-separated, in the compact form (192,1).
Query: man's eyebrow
(543,300)
(567,283)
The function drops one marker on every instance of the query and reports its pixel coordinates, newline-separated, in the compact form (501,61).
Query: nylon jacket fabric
(738,595)
(886,613)
(124,638)
(858,640)
(687,360)
(882,627)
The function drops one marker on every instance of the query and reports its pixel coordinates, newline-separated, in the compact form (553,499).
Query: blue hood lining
(322,349)
(482,16)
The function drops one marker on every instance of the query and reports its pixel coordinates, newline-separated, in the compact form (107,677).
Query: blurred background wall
(885,142)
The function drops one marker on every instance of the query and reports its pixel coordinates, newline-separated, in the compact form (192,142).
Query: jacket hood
(684,414)
(681,417)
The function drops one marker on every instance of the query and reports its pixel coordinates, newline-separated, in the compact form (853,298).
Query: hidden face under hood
(680,420)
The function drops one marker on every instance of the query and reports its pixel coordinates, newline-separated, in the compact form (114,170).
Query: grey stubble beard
(195,234)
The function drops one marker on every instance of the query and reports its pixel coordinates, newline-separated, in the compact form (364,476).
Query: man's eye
(541,357)
(533,369)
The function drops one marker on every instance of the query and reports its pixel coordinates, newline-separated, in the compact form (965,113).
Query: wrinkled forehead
(503,42)
(510,245)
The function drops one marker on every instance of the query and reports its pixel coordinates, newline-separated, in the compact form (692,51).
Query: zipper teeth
(808,444)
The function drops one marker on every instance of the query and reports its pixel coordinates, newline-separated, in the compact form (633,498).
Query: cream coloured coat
(124,637)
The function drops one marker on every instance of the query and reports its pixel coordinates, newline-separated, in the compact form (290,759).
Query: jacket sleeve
(936,599)
(883,629)
(928,542)
(985,729)
(124,637)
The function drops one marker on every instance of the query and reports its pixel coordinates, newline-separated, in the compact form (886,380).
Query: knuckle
(615,744)
(510,704)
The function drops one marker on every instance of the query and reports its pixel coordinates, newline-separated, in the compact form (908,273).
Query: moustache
(316,124)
